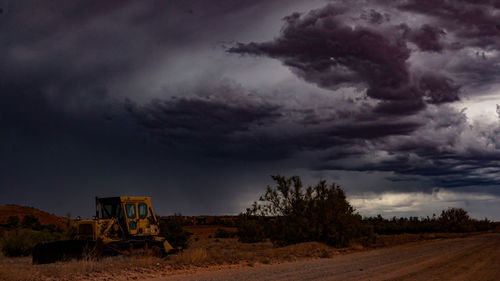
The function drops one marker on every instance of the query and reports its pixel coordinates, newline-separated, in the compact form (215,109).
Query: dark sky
(197,103)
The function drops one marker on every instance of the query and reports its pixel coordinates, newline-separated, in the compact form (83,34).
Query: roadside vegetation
(21,236)
(288,214)
(451,220)
(172,229)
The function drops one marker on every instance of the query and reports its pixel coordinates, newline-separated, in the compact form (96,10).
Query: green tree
(455,220)
(317,213)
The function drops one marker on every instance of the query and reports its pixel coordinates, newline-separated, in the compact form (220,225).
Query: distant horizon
(387,216)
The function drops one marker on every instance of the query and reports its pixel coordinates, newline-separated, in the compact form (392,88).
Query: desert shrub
(20,242)
(483,225)
(223,233)
(225,222)
(451,220)
(50,227)
(455,220)
(32,222)
(12,221)
(251,229)
(318,213)
(402,225)
(171,229)
(365,234)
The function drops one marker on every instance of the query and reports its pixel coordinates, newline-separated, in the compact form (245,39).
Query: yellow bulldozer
(121,225)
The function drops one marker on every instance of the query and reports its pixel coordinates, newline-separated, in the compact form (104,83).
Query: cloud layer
(139,97)
(384,55)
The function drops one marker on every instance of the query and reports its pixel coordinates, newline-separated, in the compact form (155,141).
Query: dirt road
(472,258)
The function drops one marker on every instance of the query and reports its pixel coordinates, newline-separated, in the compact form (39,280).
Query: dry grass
(15,269)
(195,256)
(398,239)
(206,250)
(203,251)
(356,246)
(230,251)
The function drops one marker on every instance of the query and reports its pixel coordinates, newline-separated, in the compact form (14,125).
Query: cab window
(143,210)
(111,211)
(130,208)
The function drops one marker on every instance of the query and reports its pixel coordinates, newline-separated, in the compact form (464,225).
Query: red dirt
(205,231)
(20,211)
(471,258)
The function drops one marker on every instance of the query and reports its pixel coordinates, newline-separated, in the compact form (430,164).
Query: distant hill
(45,218)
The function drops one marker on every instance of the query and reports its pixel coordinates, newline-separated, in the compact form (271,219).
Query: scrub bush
(290,214)
(223,233)
(171,229)
(455,220)
(12,221)
(251,229)
(20,242)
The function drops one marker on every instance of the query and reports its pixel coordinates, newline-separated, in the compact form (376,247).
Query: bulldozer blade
(50,252)
(137,247)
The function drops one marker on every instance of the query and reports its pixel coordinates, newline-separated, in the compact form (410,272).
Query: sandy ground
(472,258)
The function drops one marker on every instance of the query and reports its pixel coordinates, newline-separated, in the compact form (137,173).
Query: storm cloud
(196,103)
(323,49)
(326,47)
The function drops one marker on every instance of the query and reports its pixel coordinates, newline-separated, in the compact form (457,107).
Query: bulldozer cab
(135,214)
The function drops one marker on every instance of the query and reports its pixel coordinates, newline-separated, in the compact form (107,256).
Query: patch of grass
(20,242)
(195,256)
(356,246)
(17,269)
(398,239)
(230,251)
(324,254)
(224,233)
(172,230)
